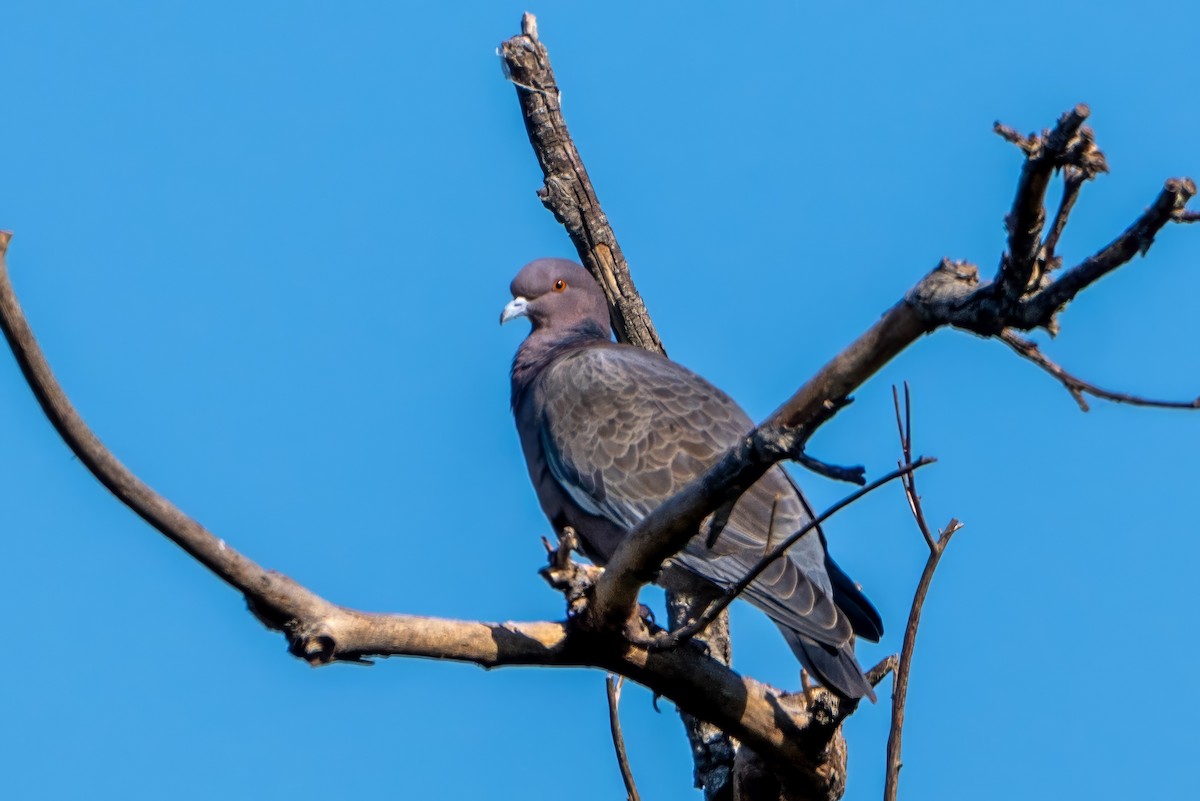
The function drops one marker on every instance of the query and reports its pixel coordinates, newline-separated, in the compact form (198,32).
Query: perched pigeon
(611,431)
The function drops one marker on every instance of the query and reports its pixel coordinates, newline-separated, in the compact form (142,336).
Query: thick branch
(1044,155)
(568,191)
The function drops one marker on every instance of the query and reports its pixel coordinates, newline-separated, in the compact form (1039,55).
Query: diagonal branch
(1136,239)
(1028,349)
(568,192)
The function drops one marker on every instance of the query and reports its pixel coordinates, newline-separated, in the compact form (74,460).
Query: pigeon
(610,431)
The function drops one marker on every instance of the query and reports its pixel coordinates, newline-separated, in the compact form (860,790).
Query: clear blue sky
(265,250)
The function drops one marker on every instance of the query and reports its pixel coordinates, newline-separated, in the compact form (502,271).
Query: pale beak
(518,307)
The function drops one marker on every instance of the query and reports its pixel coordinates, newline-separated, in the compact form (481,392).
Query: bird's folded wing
(623,430)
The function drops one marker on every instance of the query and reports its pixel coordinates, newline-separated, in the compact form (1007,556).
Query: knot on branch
(574,580)
(941,294)
(311,643)
(556,195)
(821,775)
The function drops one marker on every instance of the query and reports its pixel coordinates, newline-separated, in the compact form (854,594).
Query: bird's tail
(835,668)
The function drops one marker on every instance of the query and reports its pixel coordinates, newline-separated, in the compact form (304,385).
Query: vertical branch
(936,549)
(614,685)
(568,192)
(900,691)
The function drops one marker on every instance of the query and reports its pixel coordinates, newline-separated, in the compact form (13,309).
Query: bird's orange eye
(560,285)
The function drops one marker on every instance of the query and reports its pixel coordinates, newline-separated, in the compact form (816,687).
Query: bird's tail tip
(835,668)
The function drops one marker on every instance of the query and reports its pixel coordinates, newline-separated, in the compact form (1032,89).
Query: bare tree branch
(613,684)
(904,426)
(936,549)
(1135,240)
(568,192)
(1043,155)
(904,667)
(1028,349)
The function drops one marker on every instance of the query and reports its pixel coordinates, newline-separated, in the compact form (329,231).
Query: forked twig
(614,685)
(910,483)
(936,549)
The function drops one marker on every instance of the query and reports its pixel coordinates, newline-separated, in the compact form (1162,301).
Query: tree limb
(613,686)
(568,192)
(936,547)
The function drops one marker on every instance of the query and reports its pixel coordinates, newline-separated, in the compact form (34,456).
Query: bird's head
(557,295)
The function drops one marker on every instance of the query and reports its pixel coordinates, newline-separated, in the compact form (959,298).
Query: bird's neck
(543,346)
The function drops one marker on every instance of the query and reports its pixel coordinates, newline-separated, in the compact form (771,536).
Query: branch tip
(529,25)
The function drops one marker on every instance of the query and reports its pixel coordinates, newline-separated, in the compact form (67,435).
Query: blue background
(265,249)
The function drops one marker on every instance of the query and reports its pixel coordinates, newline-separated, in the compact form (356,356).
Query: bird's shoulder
(634,376)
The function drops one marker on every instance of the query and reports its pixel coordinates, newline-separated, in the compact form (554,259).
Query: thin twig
(1027,349)
(1073,181)
(936,548)
(900,691)
(851,475)
(614,684)
(682,635)
(910,483)
(885,666)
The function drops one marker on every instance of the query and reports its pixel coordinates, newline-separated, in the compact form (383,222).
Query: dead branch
(613,685)
(1040,309)
(904,426)
(1028,349)
(1043,155)
(936,549)
(568,192)
(904,667)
